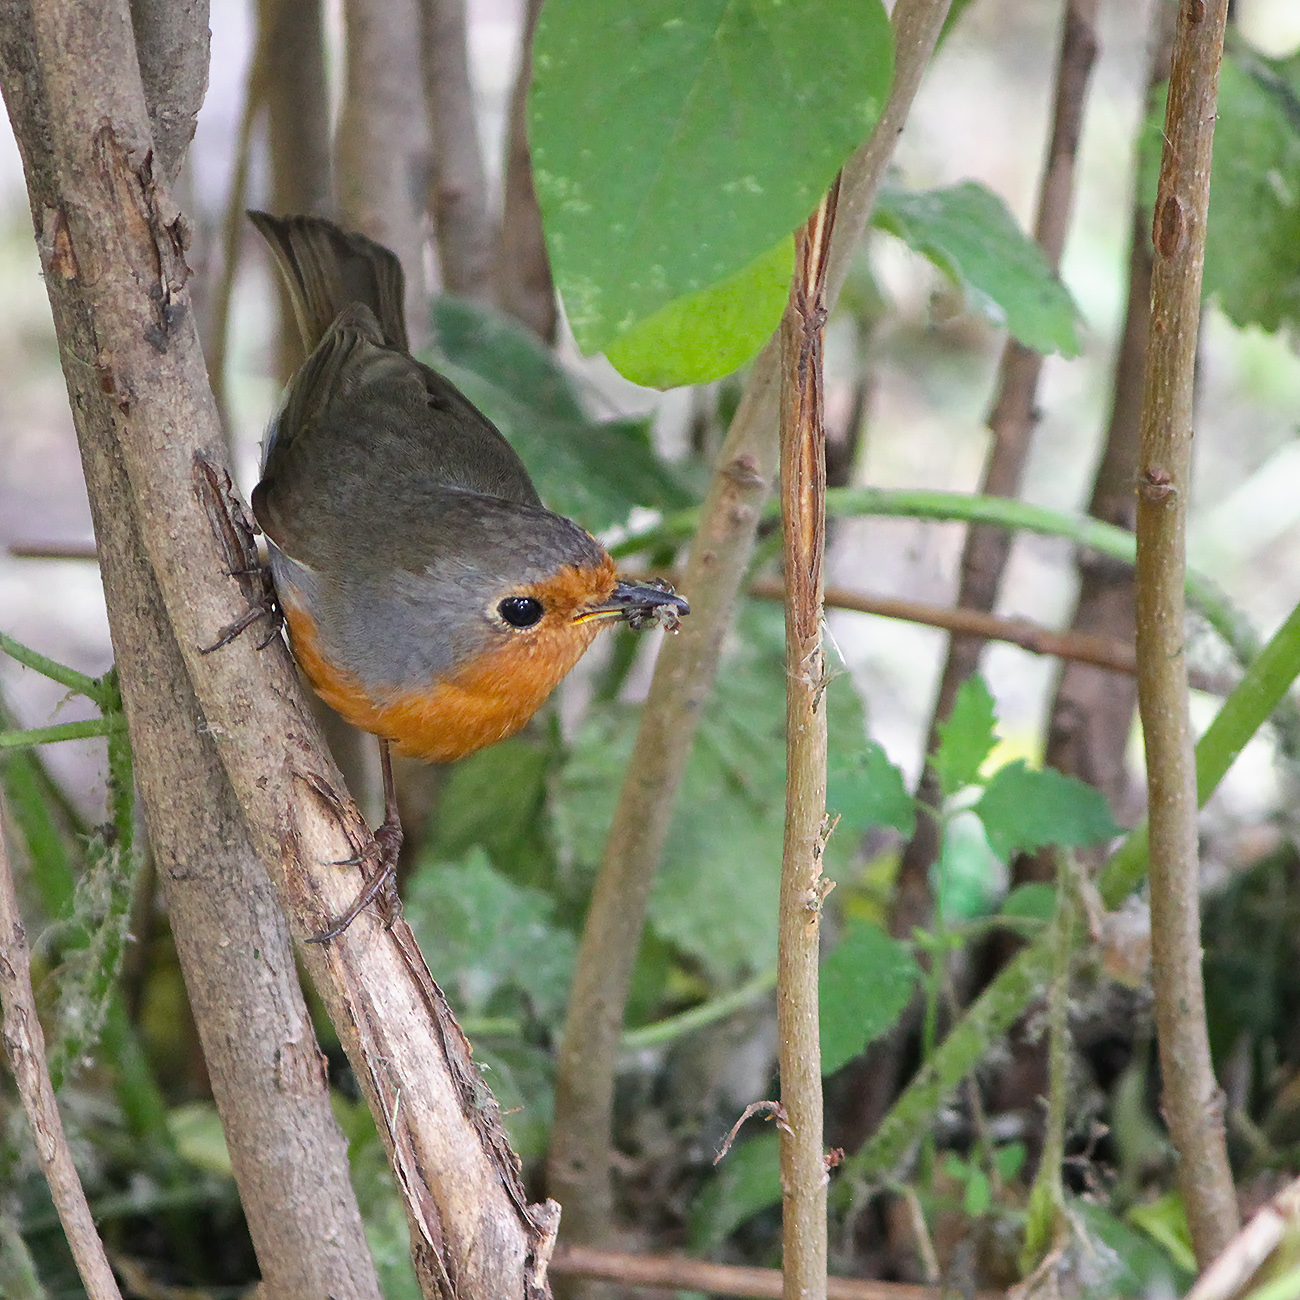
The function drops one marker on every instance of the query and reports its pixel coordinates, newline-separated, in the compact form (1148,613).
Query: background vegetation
(987,1032)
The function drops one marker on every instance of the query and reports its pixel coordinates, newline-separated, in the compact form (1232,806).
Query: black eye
(520,611)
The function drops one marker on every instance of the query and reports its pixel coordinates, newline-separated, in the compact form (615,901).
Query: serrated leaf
(496,800)
(967,738)
(871,791)
(968,233)
(1023,808)
(704,336)
(866,983)
(747,1180)
(486,937)
(673,143)
(715,896)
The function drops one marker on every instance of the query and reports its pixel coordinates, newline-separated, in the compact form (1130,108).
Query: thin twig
(1011,424)
(24,1044)
(803,530)
(578,1169)
(1191,1100)
(677,1273)
(1229,1275)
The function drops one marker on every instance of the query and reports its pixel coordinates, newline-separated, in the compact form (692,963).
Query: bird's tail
(328,269)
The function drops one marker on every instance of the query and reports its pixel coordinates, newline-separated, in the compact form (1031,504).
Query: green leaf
(968,233)
(967,738)
(1023,808)
(968,876)
(487,939)
(673,143)
(1033,902)
(1164,1220)
(1129,1263)
(522,1079)
(496,800)
(1252,252)
(871,791)
(706,335)
(493,345)
(715,897)
(865,984)
(747,1180)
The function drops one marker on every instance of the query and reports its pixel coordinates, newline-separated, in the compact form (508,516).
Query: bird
(428,595)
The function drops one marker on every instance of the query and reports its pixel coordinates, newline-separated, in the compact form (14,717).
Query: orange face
(481,701)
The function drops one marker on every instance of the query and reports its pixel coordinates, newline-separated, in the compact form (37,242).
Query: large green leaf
(672,143)
(748,1179)
(967,232)
(870,791)
(706,335)
(1023,809)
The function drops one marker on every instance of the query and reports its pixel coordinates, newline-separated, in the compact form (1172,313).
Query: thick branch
(113,264)
(578,1170)
(1191,1100)
(459,188)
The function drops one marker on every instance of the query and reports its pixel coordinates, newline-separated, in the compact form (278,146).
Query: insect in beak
(641,604)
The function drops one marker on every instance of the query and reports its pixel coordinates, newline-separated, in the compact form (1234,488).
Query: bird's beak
(641,604)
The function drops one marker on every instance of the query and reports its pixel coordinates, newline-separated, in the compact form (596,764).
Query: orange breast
(444,719)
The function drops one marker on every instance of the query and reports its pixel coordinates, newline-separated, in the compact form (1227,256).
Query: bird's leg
(386,846)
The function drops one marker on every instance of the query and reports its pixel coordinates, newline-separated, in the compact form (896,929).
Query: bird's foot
(234,531)
(381,885)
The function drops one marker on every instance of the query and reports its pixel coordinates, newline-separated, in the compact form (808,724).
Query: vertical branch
(803,526)
(459,189)
(1011,424)
(24,1045)
(382,149)
(522,271)
(1191,1100)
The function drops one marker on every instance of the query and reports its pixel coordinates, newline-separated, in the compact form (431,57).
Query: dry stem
(803,527)
(1191,1100)
(24,1044)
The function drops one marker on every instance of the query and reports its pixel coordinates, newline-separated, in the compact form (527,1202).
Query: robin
(429,596)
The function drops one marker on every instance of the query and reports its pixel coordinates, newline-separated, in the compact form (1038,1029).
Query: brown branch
(522,266)
(459,186)
(803,531)
(289,1158)
(24,1044)
(1092,714)
(1011,424)
(382,148)
(1191,1101)
(678,1273)
(111,255)
(578,1168)
(171,43)
(1241,1259)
